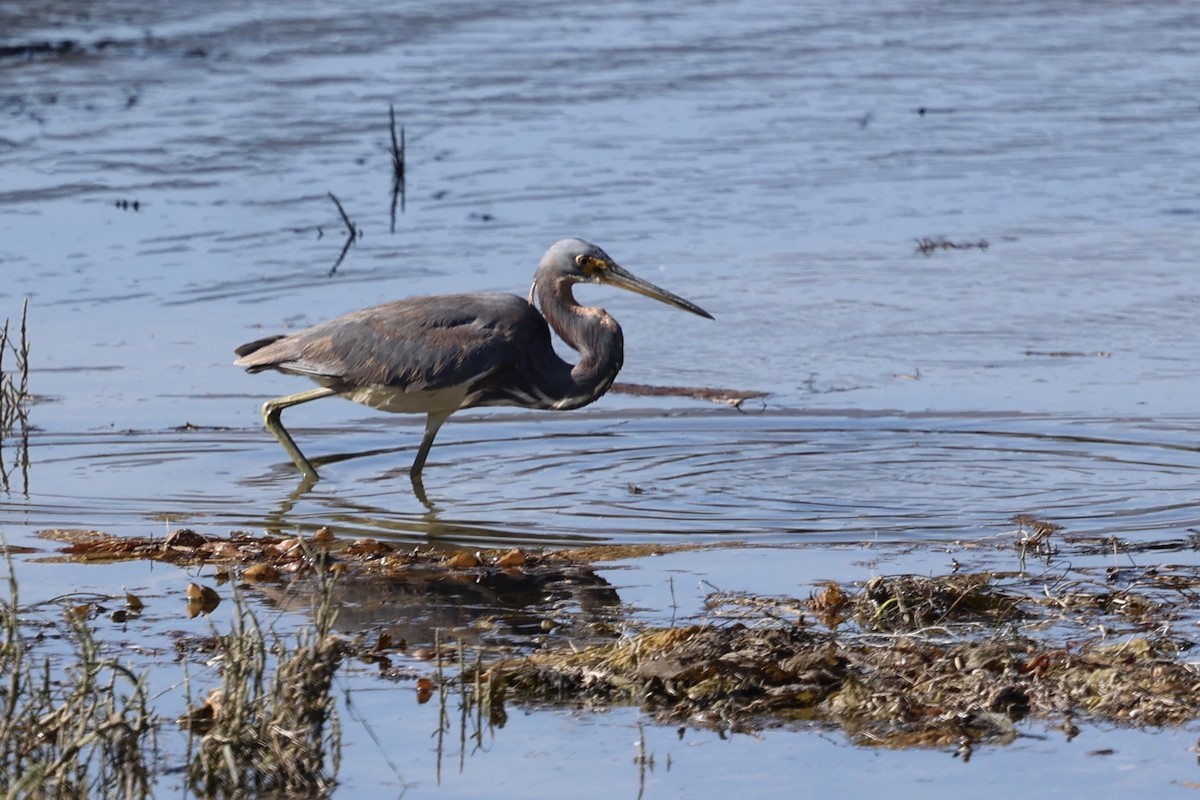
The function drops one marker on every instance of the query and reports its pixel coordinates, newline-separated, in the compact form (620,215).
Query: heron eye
(581,260)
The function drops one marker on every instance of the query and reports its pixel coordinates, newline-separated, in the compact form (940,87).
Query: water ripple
(503,479)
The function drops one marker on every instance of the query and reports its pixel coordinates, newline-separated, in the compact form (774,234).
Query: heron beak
(622,279)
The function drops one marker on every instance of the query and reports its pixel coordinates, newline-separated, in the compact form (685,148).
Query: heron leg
(432,423)
(272,417)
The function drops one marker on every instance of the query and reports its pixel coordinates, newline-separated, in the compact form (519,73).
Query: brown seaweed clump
(901,661)
(903,692)
(267,559)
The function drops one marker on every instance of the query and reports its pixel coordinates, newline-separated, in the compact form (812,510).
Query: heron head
(577,261)
(583,262)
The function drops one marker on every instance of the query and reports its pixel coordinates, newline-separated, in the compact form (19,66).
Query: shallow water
(767,477)
(768,161)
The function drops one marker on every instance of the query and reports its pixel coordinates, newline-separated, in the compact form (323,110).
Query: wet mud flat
(1035,633)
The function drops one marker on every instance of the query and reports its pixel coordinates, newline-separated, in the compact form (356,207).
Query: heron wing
(419,344)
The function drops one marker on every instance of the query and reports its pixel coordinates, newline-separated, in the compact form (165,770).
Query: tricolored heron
(443,353)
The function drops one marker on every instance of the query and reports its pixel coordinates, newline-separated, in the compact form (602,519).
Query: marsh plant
(78,723)
(267,731)
(14,379)
(80,731)
(14,400)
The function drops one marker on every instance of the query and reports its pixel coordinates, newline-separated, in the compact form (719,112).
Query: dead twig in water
(352,233)
(1069,353)
(927,245)
(398,183)
(1034,538)
(732,397)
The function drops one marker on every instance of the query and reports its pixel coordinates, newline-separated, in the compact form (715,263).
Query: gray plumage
(497,342)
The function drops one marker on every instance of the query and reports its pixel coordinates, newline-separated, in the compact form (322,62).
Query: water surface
(774,163)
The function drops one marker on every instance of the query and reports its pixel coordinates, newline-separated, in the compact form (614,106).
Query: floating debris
(952,661)
(186,547)
(201,600)
(1069,353)
(926,245)
(949,661)
(732,397)
(919,687)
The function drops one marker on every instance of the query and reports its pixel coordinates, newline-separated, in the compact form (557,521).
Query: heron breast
(398,401)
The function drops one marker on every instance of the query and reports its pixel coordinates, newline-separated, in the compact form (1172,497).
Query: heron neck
(589,331)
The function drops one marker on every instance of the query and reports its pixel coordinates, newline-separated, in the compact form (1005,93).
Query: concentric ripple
(513,478)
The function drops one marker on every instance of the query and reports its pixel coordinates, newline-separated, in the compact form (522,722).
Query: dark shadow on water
(426,600)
